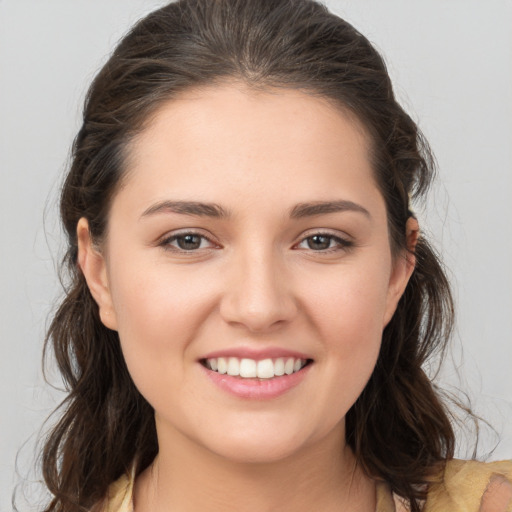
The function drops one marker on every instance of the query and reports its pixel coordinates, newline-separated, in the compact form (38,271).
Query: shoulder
(119,496)
(472,486)
(465,486)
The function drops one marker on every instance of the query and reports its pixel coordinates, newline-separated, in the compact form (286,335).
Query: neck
(186,477)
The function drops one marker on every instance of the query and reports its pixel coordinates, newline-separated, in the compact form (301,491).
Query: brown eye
(189,242)
(325,243)
(319,242)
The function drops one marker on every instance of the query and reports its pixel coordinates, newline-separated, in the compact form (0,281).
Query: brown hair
(398,428)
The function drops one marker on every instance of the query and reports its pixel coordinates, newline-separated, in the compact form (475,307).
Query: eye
(324,242)
(187,242)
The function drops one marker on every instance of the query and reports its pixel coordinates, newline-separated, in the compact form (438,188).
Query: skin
(257,282)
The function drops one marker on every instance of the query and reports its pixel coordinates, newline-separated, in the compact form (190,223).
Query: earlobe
(93,266)
(402,269)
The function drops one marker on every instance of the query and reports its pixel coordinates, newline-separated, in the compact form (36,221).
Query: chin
(257,452)
(258,444)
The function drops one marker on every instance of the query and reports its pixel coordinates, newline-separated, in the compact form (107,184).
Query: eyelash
(342,243)
(166,243)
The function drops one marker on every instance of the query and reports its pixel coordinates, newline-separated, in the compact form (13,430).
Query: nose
(258,293)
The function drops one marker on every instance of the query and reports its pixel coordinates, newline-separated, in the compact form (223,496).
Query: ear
(93,266)
(403,268)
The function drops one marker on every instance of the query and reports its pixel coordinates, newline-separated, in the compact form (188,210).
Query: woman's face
(249,236)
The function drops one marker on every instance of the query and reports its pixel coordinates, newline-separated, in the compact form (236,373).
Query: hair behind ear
(399,427)
(106,424)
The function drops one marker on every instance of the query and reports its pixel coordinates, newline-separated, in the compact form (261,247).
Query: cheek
(158,316)
(351,302)
(149,297)
(348,312)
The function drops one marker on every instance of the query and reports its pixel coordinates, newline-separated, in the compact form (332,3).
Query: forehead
(234,140)
(236,110)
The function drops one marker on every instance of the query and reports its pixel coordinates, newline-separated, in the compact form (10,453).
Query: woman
(252,300)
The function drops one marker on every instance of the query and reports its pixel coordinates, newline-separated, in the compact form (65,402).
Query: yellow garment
(464,485)
(461,490)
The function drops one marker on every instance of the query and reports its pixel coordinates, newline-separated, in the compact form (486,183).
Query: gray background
(451,62)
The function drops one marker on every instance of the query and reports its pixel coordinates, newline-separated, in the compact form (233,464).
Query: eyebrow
(299,211)
(302,210)
(188,208)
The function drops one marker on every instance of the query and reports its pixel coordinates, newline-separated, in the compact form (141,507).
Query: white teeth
(222,365)
(279,367)
(233,366)
(265,369)
(288,367)
(250,368)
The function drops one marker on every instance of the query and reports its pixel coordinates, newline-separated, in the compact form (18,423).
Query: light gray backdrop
(451,62)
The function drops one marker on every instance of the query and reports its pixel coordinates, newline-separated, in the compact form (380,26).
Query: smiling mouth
(246,368)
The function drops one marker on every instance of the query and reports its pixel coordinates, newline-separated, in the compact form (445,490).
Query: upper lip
(256,353)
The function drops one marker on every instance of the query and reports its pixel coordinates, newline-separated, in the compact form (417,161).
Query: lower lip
(257,389)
